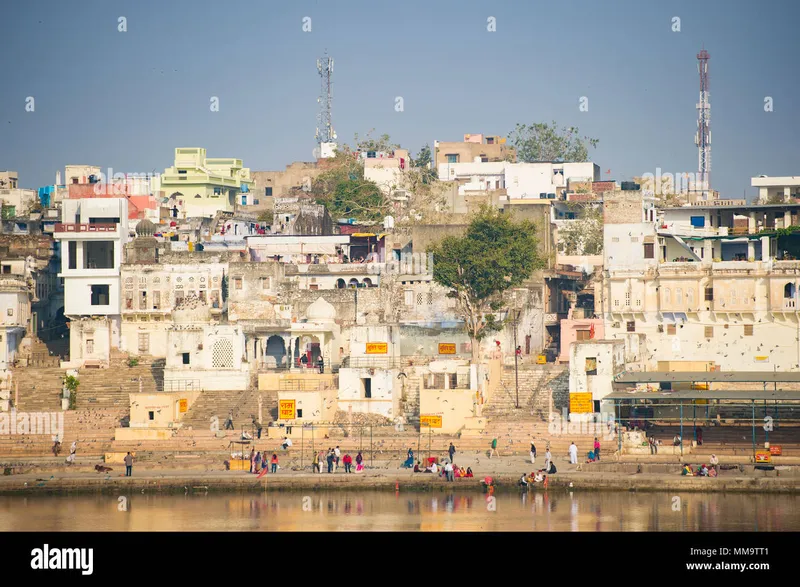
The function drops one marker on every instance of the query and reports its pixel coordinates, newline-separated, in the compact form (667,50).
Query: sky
(126,99)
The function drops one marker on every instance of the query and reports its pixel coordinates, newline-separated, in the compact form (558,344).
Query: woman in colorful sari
(359,462)
(462,472)
(469,472)
(257,462)
(409,463)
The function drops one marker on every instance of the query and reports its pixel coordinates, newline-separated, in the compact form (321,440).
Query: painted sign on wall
(286,409)
(447,348)
(581,403)
(377,348)
(183,406)
(430,421)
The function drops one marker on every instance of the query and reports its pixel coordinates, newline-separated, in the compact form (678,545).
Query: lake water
(376,511)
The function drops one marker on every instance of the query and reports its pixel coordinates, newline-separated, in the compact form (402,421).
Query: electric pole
(516,355)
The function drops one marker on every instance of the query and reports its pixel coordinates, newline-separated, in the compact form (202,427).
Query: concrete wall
(164,406)
(316,406)
(383,384)
(569,334)
(610,360)
(453,405)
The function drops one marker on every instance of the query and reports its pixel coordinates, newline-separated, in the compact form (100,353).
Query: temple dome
(145,228)
(321,310)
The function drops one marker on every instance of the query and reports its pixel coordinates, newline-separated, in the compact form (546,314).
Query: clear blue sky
(126,99)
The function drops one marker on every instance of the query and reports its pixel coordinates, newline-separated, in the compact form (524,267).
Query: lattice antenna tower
(703,137)
(325,132)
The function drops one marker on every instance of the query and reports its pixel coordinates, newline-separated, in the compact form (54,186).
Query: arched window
(690,297)
(788,291)
(679,296)
(353,283)
(367,282)
(667,296)
(340,284)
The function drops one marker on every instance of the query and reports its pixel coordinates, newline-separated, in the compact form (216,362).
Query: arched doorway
(788,291)
(353,283)
(340,284)
(275,354)
(310,347)
(367,282)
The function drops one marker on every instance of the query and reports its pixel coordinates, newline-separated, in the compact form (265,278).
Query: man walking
(533,453)
(451,451)
(448,471)
(258,426)
(229,421)
(129,465)
(573,454)
(547,458)
(494,448)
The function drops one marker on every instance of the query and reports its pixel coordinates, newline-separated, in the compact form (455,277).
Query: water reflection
(340,511)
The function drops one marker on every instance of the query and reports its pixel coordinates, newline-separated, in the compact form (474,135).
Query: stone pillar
(708,251)
(787,219)
(765,248)
(287,343)
(751,250)
(751,223)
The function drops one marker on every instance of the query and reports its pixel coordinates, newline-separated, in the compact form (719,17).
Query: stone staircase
(537,383)
(39,388)
(243,404)
(111,388)
(411,405)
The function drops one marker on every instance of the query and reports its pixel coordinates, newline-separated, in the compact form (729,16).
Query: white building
(92,234)
(772,188)
(592,368)
(15,313)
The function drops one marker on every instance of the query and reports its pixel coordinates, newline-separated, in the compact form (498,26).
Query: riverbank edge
(311,483)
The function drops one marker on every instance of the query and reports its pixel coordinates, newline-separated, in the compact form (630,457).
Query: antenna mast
(325,132)
(703,137)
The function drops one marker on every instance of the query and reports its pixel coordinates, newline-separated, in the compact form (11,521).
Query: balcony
(89,228)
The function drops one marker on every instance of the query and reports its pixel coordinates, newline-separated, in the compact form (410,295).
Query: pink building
(578,329)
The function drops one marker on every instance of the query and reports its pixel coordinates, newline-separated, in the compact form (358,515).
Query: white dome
(321,310)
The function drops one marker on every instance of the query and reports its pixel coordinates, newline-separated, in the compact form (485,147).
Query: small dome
(145,228)
(321,310)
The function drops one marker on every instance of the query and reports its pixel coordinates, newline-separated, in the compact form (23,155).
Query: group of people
(306,362)
(703,470)
(449,471)
(535,477)
(258,462)
(333,457)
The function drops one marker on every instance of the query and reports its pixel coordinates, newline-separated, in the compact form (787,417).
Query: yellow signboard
(377,348)
(762,359)
(763,456)
(183,406)
(701,402)
(286,409)
(430,421)
(581,403)
(447,348)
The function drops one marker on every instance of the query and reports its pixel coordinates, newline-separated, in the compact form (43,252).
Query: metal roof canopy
(781,396)
(707,377)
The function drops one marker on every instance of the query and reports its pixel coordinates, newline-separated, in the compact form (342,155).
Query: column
(287,343)
(787,218)
(751,250)
(765,248)
(751,223)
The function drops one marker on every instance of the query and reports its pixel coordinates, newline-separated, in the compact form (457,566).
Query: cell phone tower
(703,137)
(325,132)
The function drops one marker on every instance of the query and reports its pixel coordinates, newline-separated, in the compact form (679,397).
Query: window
(156,300)
(419,299)
(73,254)
(222,354)
(690,298)
(616,303)
(583,335)
(679,296)
(367,383)
(667,296)
(299,412)
(237,283)
(591,365)
(409,296)
(255,202)
(143,301)
(98,254)
(638,303)
(100,295)
(671,329)
(430,298)
(631,326)
(748,330)
(144,343)
(627,299)
(74,180)
(649,251)
(217,191)
(788,291)
(267,191)
(709,294)
(733,297)
(202,295)
(89,346)
(265,282)
(452,158)
(185,357)
(709,332)
(151,415)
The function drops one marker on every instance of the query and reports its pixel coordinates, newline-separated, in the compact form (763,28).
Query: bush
(72,384)
(133,361)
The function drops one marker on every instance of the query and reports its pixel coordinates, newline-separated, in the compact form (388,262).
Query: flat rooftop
(707,377)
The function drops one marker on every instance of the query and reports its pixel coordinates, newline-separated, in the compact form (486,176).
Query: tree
(545,142)
(383,143)
(424,163)
(583,236)
(495,254)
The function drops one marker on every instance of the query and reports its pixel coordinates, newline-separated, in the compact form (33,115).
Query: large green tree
(495,254)
(546,142)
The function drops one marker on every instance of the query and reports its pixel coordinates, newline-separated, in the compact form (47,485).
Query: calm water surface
(374,511)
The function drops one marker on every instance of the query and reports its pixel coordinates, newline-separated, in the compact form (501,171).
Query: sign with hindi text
(447,348)
(581,403)
(377,348)
(183,406)
(430,421)
(286,409)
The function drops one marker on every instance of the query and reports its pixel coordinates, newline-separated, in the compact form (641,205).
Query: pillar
(751,223)
(765,248)
(287,344)
(708,251)
(751,250)
(787,218)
